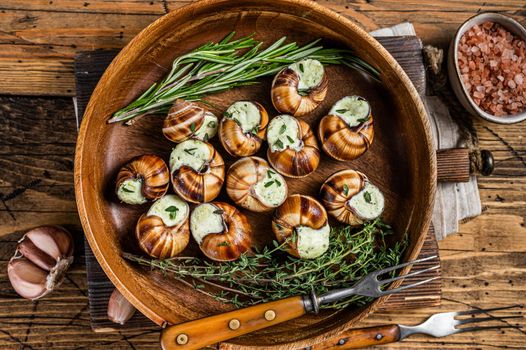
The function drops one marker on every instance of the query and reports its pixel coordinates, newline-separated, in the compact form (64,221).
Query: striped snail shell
(198,171)
(187,120)
(345,135)
(295,92)
(222,232)
(302,222)
(293,153)
(351,198)
(242,129)
(163,232)
(253,185)
(144,178)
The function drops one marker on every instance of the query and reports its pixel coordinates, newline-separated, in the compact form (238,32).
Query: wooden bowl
(401,161)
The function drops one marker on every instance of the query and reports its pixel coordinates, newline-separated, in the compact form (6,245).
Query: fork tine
(481,311)
(475,329)
(399,266)
(396,290)
(409,275)
(484,319)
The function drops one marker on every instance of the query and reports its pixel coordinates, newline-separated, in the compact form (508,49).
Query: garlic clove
(120,310)
(41,260)
(27,279)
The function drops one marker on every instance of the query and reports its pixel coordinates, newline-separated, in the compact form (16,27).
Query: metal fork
(438,325)
(371,285)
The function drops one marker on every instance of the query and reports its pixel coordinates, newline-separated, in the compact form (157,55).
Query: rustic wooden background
(483,265)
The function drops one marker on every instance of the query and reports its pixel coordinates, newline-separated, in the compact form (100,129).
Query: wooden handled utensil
(210,330)
(438,325)
(455,164)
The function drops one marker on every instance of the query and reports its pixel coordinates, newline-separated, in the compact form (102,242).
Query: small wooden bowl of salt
(487,67)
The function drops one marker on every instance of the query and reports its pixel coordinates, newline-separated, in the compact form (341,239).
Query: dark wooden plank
(89,67)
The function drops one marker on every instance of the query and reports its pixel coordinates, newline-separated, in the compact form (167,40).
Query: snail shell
(296,93)
(198,171)
(242,130)
(144,178)
(295,159)
(187,120)
(302,222)
(253,185)
(342,140)
(222,232)
(163,232)
(344,196)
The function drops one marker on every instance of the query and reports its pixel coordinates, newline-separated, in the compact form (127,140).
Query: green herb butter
(192,153)
(130,192)
(283,132)
(208,129)
(312,243)
(353,110)
(368,204)
(272,190)
(310,73)
(205,219)
(246,114)
(171,209)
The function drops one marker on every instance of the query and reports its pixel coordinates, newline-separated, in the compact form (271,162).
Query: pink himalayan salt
(493,66)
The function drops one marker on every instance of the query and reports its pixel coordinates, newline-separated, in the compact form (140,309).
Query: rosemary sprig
(270,274)
(216,67)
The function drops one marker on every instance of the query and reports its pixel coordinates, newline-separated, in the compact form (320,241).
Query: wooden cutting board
(89,67)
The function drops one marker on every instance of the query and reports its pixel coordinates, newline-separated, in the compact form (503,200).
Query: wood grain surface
(484,265)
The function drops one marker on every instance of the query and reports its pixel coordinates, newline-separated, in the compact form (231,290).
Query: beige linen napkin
(454,202)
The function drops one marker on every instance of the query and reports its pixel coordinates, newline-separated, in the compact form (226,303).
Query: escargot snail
(293,150)
(144,178)
(301,222)
(222,232)
(351,198)
(252,184)
(299,88)
(187,120)
(163,231)
(347,131)
(198,171)
(242,130)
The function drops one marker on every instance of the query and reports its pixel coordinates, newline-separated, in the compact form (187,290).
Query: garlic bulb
(347,131)
(293,150)
(299,88)
(242,130)
(252,184)
(198,171)
(41,260)
(302,222)
(120,310)
(163,232)
(187,120)
(144,178)
(351,198)
(222,232)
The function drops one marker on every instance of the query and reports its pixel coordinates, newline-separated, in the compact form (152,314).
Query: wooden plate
(401,161)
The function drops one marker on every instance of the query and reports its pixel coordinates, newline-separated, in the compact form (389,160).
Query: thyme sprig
(270,274)
(215,67)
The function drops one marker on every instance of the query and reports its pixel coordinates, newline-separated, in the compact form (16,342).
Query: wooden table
(483,265)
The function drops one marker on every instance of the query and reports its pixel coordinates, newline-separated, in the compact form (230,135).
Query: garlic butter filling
(312,243)
(271,190)
(206,219)
(192,153)
(283,132)
(246,114)
(368,204)
(208,129)
(171,209)
(353,110)
(130,191)
(310,73)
